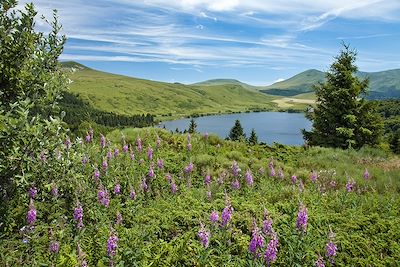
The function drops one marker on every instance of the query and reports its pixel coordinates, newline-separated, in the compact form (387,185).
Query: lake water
(280,127)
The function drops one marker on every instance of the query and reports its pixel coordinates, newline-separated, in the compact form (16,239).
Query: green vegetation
(192,126)
(253,139)
(237,133)
(131,96)
(390,110)
(341,118)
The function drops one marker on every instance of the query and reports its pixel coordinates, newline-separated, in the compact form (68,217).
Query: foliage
(253,139)
(342,117)
(237,133)
(390,110)
(192,126)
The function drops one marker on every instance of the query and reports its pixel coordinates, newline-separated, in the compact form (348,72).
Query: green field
(125,95)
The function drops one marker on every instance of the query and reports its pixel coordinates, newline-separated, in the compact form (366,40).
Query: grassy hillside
(225,82)
(125,95)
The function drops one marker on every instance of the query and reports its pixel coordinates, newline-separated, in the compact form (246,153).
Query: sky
(255,41)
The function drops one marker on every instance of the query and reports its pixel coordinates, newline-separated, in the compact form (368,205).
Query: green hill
(383,84)
(126,95)
(225,82)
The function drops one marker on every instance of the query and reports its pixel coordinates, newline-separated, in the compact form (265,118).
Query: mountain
(226,81)
(383,84)
(126,95)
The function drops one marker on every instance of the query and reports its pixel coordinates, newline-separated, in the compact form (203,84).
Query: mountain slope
(214,82)
(125,95)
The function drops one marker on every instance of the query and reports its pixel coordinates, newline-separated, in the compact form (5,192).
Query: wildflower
(257,240)
(112,245)
(150,153)
(31,215)
(214,217)
(366,174)
(109,155)
(226,215)
(125,148)
(350,185)
(67,143)
(272,172)
(189,168)
(301,185)
(249,178)
(294,179)
(54,190)
(144,185)
(54,247)
(314,176)
(118,221)
(96,175)
(206,135)
(139,144)
(103,197)
(235,169)
(267,223)
(189,147)
(42,156)
(32,192)
(189,137)
(132,156)
(271,163)
(204,236)
(272,250)
(104,165)
(320,262)
(160,164)
(331,251)
(174,188)
(207,179)
(302,218)
(78,215)
(151,172)
(84,160)
(158,142)
(117,189)
(168,177)
(132,194)
(102,141)
(116,152)
(236,184)
(280,173)
(88,138)
(81,257)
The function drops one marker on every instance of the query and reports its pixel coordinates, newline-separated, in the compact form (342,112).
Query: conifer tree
(342,117)
(192,126)
(253,139)
(236,133)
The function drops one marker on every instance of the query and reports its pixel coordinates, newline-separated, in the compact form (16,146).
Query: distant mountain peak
(74,66)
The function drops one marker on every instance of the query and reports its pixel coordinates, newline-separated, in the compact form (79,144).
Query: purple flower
(117,189)
(132,156)
(125,148)
(112,245)
(96,175)
(206,135)
(67,143)
(54,247)
(158,142)
(314,176)
(236,184)
(104,165)
(302,218)
(331,251)
(168,177)
(350,185)
(189,168)
(160,164)
(204,236)
(116,152)
(151,172)
(294,179)
(272,172)
(226,215)
(249,178)
(320,262)
(174,188)
(84,160)
(88,138)
(271,163)
(366,174)
(214,217)
(103,197)
(109,155)
(54,190)
(31,215)
(272,250)
(144,185)
(102,141)
(267,226)
(280,173)
(235,169)
(139,144)
(118,221)
(207,179)
(189,147)
(150,153)
(78,215)
(132,194)
(32,192)
(256,242)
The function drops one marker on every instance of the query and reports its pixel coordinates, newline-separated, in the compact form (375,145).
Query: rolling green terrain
(125,95)
(225,82)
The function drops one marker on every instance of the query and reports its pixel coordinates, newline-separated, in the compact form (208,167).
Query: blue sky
(258,42)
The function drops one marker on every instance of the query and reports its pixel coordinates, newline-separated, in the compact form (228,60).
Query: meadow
(147,197)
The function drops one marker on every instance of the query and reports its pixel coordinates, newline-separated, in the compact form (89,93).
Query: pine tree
(342,117)
(236,133)
(253,139)
(192,126)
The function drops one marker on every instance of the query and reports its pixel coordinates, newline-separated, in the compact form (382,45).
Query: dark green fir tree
(237,133)
(192,126)
(253,139)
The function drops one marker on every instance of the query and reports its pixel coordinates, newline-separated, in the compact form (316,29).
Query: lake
(280,127)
